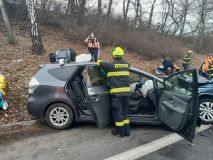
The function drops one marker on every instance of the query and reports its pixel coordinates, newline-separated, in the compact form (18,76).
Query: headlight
(33,84)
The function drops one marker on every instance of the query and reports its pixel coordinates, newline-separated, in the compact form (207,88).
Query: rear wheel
(206,110)
(59,116)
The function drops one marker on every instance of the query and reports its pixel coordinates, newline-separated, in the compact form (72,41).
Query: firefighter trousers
(120,105)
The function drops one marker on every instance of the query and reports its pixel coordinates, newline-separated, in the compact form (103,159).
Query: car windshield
(181,83)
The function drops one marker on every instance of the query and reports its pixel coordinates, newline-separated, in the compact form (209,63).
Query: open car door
(98,96)
(178,105)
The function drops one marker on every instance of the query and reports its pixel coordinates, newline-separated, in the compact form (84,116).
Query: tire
(59,116)
(206,110)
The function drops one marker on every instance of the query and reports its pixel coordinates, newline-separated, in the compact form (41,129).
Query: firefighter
(118,80)
(93,46)
(186,60)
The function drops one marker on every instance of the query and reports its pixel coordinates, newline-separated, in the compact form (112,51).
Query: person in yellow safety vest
(4,88)
(93,46)
(119,84)
(187,59)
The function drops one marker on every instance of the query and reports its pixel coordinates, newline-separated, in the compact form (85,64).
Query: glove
(98,62)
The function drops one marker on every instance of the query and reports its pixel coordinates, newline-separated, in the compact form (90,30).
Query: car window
(96,76)
(62,73)
(181,83)
(134,77)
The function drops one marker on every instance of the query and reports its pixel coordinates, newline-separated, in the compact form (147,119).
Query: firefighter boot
(127,130)
(119,132)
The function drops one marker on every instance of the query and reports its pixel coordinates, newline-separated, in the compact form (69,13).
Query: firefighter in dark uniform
(118,81)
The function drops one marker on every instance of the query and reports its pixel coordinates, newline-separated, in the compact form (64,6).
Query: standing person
(186,60)
(118,79)
(207,68)
(93,46)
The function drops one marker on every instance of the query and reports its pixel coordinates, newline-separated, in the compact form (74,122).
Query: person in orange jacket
(205,67)
(93,46)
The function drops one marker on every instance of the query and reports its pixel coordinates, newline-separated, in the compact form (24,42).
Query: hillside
(19,65)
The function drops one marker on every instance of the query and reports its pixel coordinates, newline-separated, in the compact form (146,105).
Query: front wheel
(59,116)
(206,110)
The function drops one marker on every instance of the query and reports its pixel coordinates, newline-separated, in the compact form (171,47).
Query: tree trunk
(71,7)
(11,38)
(109,7)
(165,15)
(185,12)
(202,24)
(151,14)
(99,7)
(81,11)
(125,9)
(137,3)
(37,45)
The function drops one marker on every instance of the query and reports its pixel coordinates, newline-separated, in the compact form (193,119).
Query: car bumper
(35,108)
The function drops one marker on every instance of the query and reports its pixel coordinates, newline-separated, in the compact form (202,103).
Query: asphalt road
(86,142)
(201,150)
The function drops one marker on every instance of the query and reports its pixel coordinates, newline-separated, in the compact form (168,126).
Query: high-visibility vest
(92,43)
(186,59)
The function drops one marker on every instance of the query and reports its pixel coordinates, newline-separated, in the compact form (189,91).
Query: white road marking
(152,146)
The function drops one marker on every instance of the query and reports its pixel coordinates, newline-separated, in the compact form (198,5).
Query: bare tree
(109,7)
(202,24)
(37,45)
(11,38)
(99,7)
(137,7)
(81,11)
(185,8)
(151,14)
(126,4)
(165,14)
(71,7)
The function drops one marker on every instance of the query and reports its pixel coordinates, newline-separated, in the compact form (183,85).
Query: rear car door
(178,104)
(98,96)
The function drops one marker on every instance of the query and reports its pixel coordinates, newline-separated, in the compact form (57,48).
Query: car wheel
(59,116)
(206,110)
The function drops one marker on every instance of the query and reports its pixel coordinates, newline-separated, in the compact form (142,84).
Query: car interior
(138,104)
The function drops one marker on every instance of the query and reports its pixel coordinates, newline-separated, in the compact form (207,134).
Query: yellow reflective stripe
(126,121)
(184,62)
(122,89)
(118,73)
(121,65)
(119,124)
(186,58)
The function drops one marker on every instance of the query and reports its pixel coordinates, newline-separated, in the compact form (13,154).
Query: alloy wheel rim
(206,111)
(59,116)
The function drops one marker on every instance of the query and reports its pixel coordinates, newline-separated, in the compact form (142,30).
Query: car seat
(78,87)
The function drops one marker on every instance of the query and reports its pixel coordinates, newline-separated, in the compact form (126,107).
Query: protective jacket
(118,77)
(186,59)
(4,85)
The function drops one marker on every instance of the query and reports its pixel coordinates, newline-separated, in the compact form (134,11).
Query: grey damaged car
(78,92)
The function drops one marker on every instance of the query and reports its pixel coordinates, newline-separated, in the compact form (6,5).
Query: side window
(181,83)
(97,77)
(134,77)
